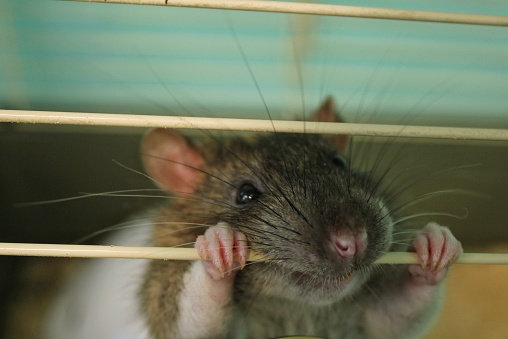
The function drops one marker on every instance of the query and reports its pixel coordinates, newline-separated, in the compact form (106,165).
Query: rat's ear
(172,161)
(328,113)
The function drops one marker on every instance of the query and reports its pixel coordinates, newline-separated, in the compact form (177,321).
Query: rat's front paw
(436,248)
(224,250)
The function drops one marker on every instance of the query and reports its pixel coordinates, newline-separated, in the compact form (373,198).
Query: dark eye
(247,193)
(340,162)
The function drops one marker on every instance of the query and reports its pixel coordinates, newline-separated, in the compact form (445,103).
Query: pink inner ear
(328,113)
(172,161)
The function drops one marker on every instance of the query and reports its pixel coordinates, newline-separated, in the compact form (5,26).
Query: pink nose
(348,244)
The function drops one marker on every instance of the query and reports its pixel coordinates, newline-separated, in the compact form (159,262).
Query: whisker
(261,96)
(431,195)
(137,172)
(406,231)
(427,214)
(400,243)
(90,195)
(136,224)
(427,177)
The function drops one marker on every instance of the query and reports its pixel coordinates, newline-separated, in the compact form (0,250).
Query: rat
(294,199)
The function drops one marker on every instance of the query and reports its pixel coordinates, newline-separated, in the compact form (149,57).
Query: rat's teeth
(346,276)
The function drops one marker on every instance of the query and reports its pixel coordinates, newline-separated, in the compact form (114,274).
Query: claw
(223,249)
(436,248)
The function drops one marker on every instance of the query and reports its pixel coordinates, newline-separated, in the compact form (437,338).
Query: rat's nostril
(346,244)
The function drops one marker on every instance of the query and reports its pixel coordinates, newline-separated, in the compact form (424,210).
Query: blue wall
(57,55)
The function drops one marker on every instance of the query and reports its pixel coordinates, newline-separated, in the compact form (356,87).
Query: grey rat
(293,199)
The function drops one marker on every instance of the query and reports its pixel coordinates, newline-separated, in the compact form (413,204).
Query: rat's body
(293,199)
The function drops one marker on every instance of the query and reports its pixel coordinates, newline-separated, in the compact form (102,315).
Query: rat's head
(320,224)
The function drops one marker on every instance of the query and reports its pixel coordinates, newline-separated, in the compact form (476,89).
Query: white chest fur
(101,302)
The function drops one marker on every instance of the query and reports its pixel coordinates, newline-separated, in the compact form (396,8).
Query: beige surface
(476,304)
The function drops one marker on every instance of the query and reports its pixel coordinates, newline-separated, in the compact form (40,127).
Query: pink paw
(436,248)
(223,250)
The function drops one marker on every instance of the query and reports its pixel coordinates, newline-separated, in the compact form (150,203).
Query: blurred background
(87,57)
